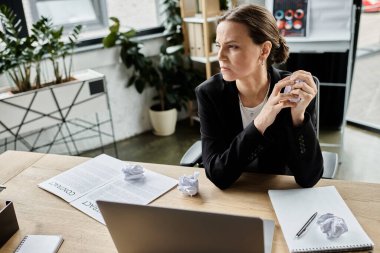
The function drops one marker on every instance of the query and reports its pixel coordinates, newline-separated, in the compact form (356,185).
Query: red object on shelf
(371,5)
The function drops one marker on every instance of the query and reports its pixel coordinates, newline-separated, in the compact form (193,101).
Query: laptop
(142,228)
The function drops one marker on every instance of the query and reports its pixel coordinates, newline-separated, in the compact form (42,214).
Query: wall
(129,108)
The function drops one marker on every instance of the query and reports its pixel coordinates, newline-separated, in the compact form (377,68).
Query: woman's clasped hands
(299,90)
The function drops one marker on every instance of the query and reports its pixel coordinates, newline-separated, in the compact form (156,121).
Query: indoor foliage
(172,75)
(21,57)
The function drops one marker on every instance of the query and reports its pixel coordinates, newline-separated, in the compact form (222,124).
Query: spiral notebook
(40,244)
(295,206)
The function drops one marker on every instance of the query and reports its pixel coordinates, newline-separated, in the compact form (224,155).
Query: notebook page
(40,244)
(295,206)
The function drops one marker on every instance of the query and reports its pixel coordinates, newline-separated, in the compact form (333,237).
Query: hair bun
(281,53)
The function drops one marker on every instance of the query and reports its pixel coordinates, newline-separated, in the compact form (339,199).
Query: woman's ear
(266,47)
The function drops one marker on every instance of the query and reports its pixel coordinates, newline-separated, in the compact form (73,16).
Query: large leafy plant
(144,73)
(172,75)
(20,57)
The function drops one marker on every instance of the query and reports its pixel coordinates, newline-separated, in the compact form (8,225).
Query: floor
(360,161)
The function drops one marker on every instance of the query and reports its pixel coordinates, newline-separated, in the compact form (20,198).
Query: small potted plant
(21,57)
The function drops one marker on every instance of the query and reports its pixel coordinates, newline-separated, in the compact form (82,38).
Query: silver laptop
(137,228)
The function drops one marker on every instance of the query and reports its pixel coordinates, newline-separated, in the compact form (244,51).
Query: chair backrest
(317,83)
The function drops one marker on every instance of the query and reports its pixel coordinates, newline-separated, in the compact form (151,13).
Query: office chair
(193,155)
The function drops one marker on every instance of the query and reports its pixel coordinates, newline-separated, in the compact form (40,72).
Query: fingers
(304,77)
(281,84)
(303,90)
(304,86)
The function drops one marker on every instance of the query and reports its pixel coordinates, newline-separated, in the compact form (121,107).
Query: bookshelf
(199,24)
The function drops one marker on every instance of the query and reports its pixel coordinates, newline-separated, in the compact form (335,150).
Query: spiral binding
(342,248)
(21,243)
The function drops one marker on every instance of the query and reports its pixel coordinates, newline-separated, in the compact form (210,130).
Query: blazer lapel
(232,109)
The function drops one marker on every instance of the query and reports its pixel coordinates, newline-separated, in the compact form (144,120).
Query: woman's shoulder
(212,84)
(278,74)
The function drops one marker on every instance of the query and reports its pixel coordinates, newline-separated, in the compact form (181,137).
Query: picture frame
(292,17)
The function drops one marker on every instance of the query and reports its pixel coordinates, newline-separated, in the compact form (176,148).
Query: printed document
(101,178)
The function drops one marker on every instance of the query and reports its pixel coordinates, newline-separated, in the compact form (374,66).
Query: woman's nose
(221,54)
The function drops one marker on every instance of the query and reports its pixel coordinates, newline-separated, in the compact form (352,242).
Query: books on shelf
(102,178)
(212,7)
(197,39)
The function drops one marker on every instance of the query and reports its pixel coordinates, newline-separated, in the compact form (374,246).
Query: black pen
(304,227)
(2,187)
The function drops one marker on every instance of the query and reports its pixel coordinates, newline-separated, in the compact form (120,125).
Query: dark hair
(262,27)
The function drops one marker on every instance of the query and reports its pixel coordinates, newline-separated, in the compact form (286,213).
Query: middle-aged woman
(248,122)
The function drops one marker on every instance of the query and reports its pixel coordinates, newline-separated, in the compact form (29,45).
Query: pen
(2,187)
(304,227)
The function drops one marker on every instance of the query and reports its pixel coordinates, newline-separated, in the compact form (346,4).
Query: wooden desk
(40,212)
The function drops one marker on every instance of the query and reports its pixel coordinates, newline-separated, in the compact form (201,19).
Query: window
(94,15)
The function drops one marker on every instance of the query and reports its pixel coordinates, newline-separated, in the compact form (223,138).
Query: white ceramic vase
(163,122)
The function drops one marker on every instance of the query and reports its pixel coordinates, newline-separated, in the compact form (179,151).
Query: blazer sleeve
(226,148)
(306,161)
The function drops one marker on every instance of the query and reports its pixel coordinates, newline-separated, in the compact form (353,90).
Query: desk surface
(40,212)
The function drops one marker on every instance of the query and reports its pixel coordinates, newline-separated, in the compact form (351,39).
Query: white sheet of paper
(84,177)
(294,207)
(102,178)
(140,191)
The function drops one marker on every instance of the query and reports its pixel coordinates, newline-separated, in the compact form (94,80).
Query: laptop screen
(138,228)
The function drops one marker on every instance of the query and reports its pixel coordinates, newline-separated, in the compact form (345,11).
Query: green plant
(16,54)
(173,75)
(48,42)
(20,56)
(178,77)
(144,72)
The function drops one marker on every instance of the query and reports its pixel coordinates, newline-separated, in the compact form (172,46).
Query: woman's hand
(276,102)
(304,88)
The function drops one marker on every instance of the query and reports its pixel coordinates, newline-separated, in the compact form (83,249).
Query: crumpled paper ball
(133,171)
(288,88)
(189,184)
(333,226)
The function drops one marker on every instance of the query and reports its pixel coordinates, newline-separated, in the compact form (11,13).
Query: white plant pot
(163,122)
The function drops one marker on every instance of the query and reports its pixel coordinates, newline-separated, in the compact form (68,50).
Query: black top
(228,150)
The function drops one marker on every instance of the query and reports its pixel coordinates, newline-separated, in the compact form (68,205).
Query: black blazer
(228,150)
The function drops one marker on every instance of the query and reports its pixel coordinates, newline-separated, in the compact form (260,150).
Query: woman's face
(239,57)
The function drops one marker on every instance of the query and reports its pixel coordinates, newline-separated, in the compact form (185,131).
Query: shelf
(199,24)
(212,58)
(305,46)
(200,19)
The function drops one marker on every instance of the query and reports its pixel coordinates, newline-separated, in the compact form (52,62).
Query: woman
(247,121)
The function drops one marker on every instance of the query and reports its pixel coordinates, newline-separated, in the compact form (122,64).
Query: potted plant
(20,56)
(172,75)
(40,112)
